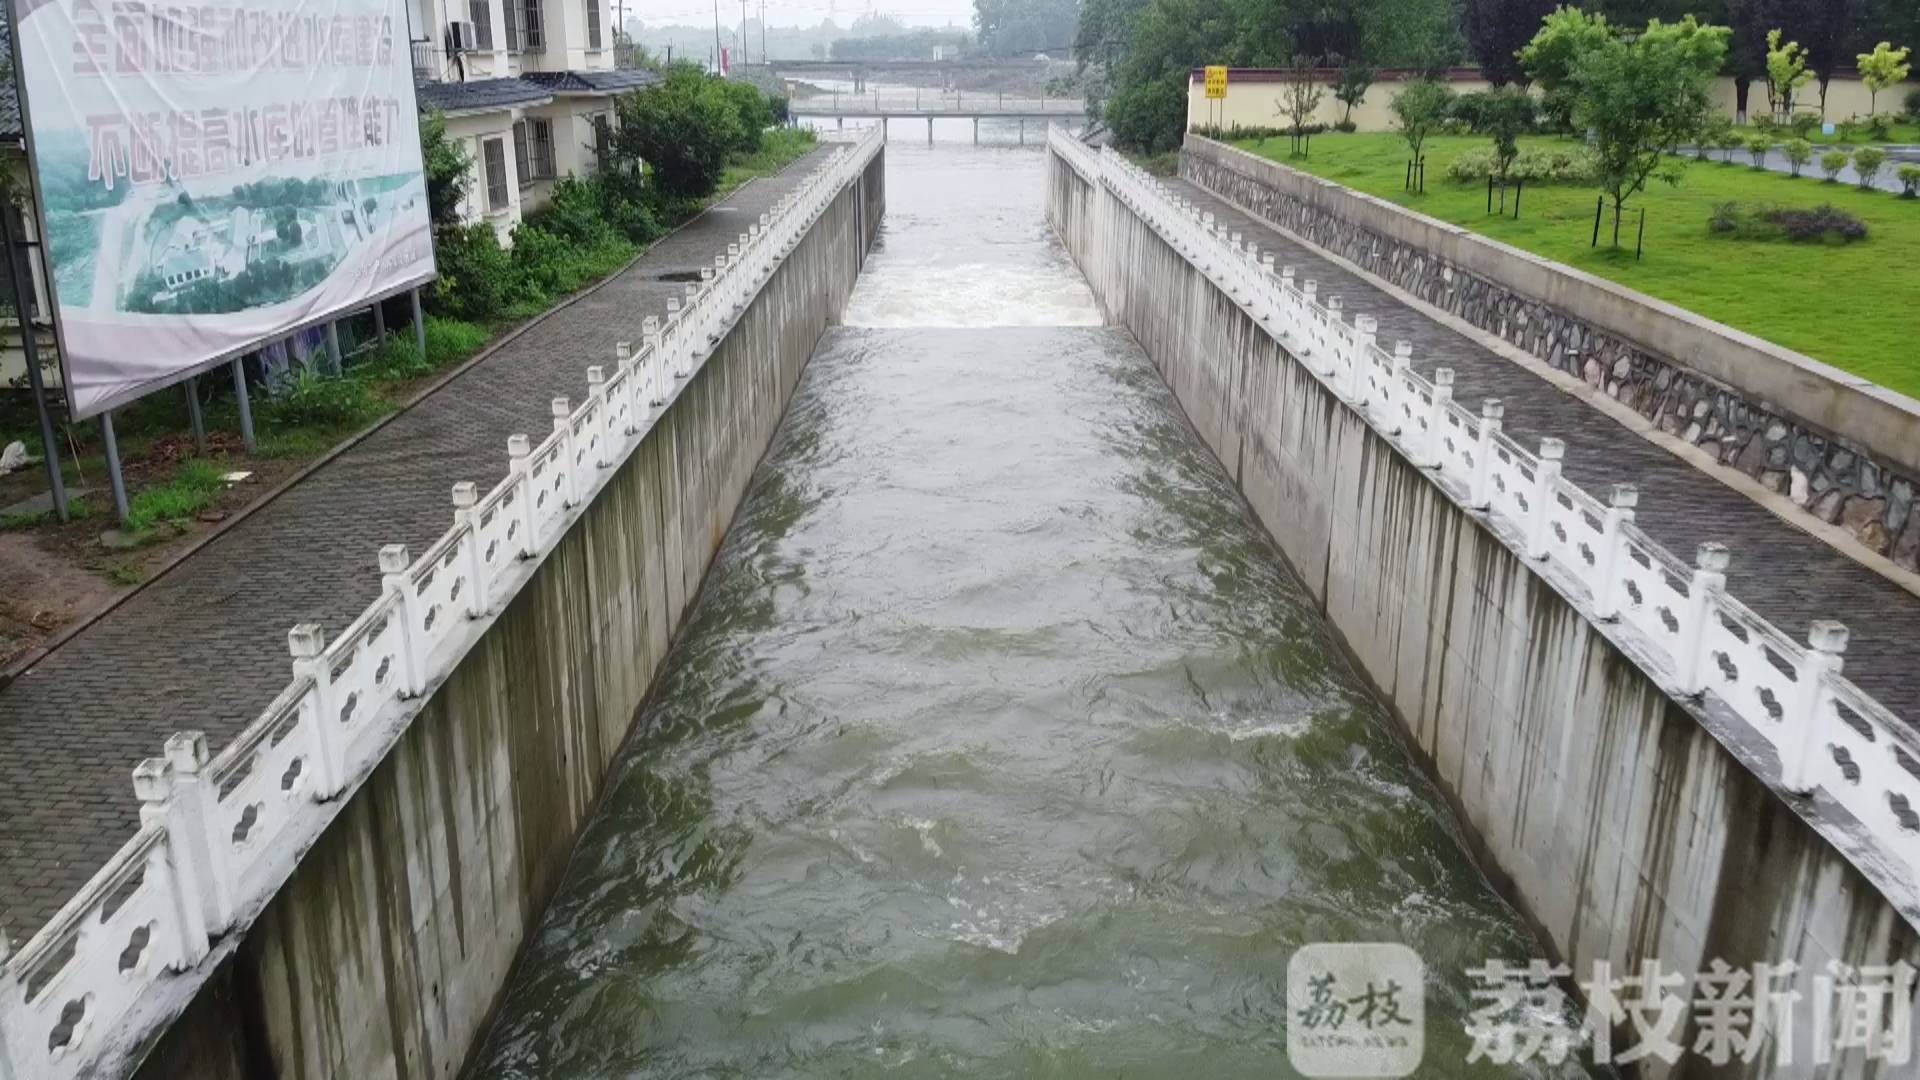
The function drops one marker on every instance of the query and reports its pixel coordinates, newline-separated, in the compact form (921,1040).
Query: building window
(593,24)
(533,145)
(481,12)
(534,36)
(510,16)
(494,151)
(602,142)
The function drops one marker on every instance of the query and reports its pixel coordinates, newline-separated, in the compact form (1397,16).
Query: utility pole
(763,31)
(716,37)
(743,31)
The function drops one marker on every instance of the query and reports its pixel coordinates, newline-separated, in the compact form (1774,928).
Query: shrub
(1913,106)
(754,112)
(683,128)
(1867,162)
(1832,162)
(1149,115)
(326,401)
(1757,147)
(1909,181)
(574,213)
(1346,127)
(1727,142)
(1824,224)
(1799,152)
(1803,124)
(1560,165)
(1715,134)
(477,276)
(1880,126)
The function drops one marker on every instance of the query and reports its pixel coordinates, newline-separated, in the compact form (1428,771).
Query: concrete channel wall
(1607,812)
(1847,451)
(383,954)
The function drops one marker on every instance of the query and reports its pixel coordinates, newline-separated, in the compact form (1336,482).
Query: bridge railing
(1829,736)
(219,835)
(934,101)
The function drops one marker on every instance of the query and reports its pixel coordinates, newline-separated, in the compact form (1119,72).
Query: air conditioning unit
(460,36)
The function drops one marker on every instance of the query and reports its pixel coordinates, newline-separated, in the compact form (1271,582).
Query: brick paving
(1780,571)
(204,645)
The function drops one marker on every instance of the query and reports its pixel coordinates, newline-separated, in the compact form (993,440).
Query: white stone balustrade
(1692,637)
(218,836)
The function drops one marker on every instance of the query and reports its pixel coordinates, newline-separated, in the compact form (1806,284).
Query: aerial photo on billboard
(214,177)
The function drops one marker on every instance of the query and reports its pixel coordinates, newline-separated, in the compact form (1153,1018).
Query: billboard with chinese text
(214,176)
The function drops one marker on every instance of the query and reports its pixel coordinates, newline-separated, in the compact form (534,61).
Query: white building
(528,87)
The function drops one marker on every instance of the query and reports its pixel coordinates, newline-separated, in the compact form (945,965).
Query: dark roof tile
(480,94)
(616,81)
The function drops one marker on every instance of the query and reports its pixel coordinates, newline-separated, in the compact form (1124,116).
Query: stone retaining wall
(1844,450)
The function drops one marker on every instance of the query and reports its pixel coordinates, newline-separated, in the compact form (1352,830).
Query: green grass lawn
(1855,306)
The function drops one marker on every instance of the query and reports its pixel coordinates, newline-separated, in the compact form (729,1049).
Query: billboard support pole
(246,407)
(30,346)
(194,418)
(380,321)
(419,324)
(114,477)
(333,346)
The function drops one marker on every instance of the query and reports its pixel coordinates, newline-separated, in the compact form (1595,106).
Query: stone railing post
(11,1068)
(193,803)
(520,466)
(603,456)
(654,361)
(1613,545)
(1826,641)
(465,498)
(1546,474)
(563,426)
(307,644)
(168,867)
(1434,453)
(1480,491)
(1709,580)
(398,583)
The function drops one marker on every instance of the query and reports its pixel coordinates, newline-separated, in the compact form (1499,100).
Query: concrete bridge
(931,105)
(333,874)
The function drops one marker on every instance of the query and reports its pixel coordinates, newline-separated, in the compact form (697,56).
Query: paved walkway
(1887,180)
(1782,572)
(205,644)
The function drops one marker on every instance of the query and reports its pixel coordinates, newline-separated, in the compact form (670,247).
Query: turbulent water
(1001,743)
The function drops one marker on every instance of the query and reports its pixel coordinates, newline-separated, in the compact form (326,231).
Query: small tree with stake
(1639,99)
(1418,111)
(1298,103)
(1350,89)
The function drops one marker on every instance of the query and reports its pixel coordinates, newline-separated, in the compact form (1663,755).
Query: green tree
(1909,181)
(1300,100)
(754,111)
(1880,69)
(1562,38)
(683,129)
(1866,163)
(1799,152)
(1496,32)
(1506,114)
(1641,98)
(1786,73)
(447,170)
(1024,27)
(1757,147)
(1832,162)
(1350,88)
(1419,110)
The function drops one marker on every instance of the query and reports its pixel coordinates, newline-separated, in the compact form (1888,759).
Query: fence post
(193,801)
(1437,418)
(166,869)
(465,498)
(1545,474)
(636,388)
(1366,332)
(653,362)
(1606,591)
(1709,578)
(1480,493)
(597,388)
(1827,640)
(520,466)
(563,426)
(307,644)
(397,582)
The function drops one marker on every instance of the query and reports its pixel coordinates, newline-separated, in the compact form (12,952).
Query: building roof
(9,96)
(605,81)
(480,95)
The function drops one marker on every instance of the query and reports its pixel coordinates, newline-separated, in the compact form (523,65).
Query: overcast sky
(800,12)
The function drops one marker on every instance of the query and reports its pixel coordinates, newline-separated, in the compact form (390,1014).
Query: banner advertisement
(213,176)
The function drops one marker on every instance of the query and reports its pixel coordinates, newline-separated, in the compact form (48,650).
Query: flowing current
(1002,742)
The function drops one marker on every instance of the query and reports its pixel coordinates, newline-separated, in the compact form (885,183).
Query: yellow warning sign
(1216,82)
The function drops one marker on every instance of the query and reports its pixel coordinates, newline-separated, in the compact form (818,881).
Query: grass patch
(1849,305)
(779,147)
(194,486)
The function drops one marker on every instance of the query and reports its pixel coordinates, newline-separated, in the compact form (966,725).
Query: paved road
(1782,572)
(204,645)
(1887,180)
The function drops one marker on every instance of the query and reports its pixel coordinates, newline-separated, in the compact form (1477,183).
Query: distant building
(527,85)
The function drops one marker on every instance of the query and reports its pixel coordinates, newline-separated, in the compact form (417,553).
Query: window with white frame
(494,153)
(533,145)
(510,11)
(593,24)
(533,34)
(481,12)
